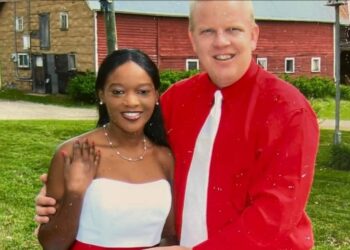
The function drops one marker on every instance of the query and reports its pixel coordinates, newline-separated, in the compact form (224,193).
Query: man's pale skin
(223,35)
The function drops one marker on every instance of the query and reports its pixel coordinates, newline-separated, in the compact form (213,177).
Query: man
(257,168)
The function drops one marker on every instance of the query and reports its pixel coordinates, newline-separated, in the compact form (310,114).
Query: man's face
(223,36)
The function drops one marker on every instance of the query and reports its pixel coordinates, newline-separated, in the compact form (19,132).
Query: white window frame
(286,63)
(23,63)
(188,61)
(26,41)
(317,60)
(19,23)
(64,25)
(262,62)
(72,62)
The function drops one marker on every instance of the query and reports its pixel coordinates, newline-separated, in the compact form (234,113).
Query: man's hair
(193,3)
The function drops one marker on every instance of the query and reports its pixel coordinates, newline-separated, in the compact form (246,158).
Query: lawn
(27,146)
(325,108)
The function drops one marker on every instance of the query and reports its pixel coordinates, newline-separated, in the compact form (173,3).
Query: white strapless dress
(121,214)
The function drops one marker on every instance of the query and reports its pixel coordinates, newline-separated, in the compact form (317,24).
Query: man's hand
(170,248)
(44,205)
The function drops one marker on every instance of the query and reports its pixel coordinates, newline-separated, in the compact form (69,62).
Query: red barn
(295,37)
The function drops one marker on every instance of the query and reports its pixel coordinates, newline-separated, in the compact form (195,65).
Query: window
(289,65)
(71,62)
(44,30)
(316,64)
(262,62)
(23,60)
(192,64)
(26,41)
(64,21)
(19,23)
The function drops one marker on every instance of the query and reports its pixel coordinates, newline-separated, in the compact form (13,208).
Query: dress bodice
(121,214)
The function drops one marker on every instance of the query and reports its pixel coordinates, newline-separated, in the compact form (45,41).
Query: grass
(325,108)
(27,146)
(25,152)
(59,99)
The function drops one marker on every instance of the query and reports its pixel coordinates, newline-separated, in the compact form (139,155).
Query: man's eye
(234,30)
(207,31)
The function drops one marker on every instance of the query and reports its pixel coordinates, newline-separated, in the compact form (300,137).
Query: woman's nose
(131,100)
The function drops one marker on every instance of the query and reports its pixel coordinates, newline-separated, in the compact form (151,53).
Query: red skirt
(77,245)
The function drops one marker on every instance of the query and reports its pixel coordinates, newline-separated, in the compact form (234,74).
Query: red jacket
(263,159)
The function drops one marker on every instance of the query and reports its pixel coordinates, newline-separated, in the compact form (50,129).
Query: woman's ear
(100,96)
(157,97)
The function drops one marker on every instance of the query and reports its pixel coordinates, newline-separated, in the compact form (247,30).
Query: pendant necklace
(139,158)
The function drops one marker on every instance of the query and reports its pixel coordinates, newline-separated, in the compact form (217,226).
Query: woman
(112,184)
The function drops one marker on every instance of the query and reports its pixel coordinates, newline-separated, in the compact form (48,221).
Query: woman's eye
(117,92)
(143,91)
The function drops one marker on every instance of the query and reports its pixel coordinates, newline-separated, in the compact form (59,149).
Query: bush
(340,155)
(314,87)
(344,92)
(168,77)
(317,87)
(81,87)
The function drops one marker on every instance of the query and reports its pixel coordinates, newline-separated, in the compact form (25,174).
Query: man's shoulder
(190,82)
(279,94)
(275,86)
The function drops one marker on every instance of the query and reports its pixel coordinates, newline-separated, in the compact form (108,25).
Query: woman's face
(130,97)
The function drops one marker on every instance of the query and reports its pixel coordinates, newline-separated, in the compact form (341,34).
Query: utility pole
(109,15)
(336,4)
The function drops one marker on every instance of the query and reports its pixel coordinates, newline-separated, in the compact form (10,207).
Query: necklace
(139,158)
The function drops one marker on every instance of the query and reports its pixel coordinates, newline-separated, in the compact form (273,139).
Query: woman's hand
(80,169)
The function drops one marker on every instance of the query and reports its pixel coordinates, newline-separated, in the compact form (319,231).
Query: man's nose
(221,39)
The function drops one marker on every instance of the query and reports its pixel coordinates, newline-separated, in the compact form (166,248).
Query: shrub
(344,92)
(168,77)
(314,87)
(340,155)
(81,87)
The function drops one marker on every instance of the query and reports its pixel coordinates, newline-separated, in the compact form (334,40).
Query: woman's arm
(67,182)
(166,160)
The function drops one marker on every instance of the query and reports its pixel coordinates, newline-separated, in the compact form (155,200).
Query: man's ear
(190,36)
(254,36)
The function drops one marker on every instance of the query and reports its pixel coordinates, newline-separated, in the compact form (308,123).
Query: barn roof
(282,10)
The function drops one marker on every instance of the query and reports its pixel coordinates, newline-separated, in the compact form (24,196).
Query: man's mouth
(224,57)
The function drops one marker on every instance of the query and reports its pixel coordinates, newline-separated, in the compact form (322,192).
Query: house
(56,38)
(43,43)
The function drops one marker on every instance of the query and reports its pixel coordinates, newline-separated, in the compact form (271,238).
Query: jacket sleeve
(279,189)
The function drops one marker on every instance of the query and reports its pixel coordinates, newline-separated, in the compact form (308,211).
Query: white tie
(194,216)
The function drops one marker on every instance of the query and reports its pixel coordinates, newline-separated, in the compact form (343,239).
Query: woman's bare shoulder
(165,159)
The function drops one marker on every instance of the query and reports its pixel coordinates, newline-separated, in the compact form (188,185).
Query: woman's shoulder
(92,136)
(166,160)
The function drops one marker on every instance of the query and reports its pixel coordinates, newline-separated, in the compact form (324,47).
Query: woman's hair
(154,128)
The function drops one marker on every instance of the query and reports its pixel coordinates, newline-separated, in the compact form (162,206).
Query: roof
(282,10)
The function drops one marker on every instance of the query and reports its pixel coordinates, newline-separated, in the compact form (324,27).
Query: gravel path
(19,110)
